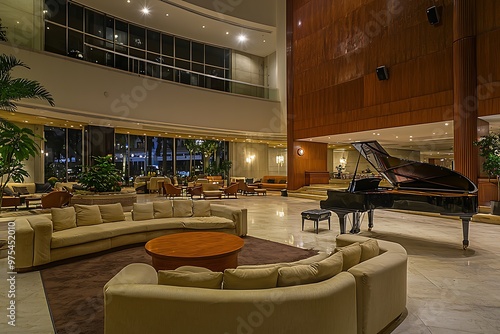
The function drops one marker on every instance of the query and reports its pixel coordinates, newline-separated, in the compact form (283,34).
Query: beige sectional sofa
(307,296)
(85,229)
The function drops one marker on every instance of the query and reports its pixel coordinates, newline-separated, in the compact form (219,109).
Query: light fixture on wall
(343,160)
(250,158)
(300,151)
(280,160)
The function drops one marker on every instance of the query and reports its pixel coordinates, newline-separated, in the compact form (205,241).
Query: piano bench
(316,215)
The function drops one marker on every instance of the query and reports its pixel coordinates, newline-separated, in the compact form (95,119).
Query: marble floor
(449,290)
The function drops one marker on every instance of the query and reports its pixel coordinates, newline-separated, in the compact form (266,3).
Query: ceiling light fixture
(145,11)
(242,38)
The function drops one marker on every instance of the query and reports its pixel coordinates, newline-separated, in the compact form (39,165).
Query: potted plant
(3,32)
(16,144)
(102,176)
(489,149)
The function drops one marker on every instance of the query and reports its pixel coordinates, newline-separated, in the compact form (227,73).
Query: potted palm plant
(489,149)
(3,32)
(16,144)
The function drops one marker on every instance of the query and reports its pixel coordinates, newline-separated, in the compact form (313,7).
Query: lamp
(343,160)
(300,151)
(280,160)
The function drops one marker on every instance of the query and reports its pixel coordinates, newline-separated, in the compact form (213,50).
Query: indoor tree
(16,144)
(102,176)
(489,149)
(3,32)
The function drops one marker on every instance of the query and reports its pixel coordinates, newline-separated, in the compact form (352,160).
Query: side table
(316,215)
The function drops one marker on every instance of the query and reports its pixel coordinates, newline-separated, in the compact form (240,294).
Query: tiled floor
(449,290)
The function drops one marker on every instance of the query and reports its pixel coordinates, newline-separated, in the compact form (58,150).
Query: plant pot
(495,208)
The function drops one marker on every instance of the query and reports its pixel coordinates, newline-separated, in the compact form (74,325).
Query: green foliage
(15,89)
(102,176)
(3,32)
(489,149)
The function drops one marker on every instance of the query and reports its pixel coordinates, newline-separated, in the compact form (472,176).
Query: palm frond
(20,88)
(8,62)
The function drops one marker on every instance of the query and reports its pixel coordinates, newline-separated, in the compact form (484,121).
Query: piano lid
(407,174)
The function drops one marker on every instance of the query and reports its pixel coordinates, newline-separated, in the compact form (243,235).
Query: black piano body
(417,186)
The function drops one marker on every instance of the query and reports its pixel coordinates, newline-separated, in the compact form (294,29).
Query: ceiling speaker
(382,73)
(433,15)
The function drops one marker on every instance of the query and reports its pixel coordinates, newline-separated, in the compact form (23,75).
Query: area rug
(74,289)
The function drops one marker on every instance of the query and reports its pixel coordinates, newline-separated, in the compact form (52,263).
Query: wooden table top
(194,245)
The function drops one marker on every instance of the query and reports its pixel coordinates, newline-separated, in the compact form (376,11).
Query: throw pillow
(282,182)
(299,274)
(351,255)
(330,266)
(8,192)
(63,219)
(21,190)
(87,215)
(162,209)
(270,181)
(111,212)
(206,280)
(143,211)
(369,249)
(249,279)
(43,188)
(183,208)
(201,209)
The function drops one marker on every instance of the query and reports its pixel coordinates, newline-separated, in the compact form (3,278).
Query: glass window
(74,154)
(121,62)
(75,16)
(167,73)
(121,33)
(136,65)
(95,23)
(94,55)
(137,158)
(153,41)
(182,48)
(55,11)
(137,37)
(55,39)
(151,69)
(183,76)
(198,52)
(227,58)
(55,153)
(75,44)
(214,56)
(197,79)
(122,157)
(110,29)
(167,45)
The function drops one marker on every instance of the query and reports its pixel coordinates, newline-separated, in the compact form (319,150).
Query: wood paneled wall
(314,159)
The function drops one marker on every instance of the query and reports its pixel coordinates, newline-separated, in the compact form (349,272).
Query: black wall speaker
(433,15)
(382,73)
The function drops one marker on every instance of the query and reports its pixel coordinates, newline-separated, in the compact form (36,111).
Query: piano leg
(342,221)
(465,230)
(356,223)
(370,219)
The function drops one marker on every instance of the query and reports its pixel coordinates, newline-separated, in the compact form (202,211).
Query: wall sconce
(343,160)
(280,160)
(250,158)
(300,151)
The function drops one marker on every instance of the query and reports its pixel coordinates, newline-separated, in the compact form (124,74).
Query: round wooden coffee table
(213,250)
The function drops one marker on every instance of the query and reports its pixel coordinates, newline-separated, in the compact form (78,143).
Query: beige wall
(247,68)
(80,89)
(275,168)
(255,169)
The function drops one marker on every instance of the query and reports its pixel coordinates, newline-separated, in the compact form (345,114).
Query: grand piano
(416,186)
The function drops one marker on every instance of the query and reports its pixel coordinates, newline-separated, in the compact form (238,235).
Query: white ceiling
(187,20)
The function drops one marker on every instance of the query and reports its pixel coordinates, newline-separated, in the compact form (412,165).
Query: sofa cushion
(161,224)
(201,209)
(351,255)
(206,280)
(162,209)
(183,208)
(43,187)
(248,279)
(369,249)
(309,260)
(111,212)
(270,181)
(330,266)
(87,215)
(143,211)
(9,192)
(21,190)
(297,275)
(63,218)
(203,223)
(79,235)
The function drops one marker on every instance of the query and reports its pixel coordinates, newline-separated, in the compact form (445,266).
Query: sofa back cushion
(249,279)
(369,249)
(63,218)
(163,209)
(21,190)
(30,186)
(143,211)
(201,209)
(330,266)
(87,215)
(111,212)
(351,255)
(43,187)
(183,208)
(206,280)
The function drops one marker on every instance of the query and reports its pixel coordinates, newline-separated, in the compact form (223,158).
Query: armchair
(56,199)
(171,191)
(245,188)
(231,190)
(195,191)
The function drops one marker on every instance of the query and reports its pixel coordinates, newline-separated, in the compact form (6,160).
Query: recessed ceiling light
(264,41)
(145,10)
(227,32)
(166,14)
(242,38)
(128,1)
(203,27)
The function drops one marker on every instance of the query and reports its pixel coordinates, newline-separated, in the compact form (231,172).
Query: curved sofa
(38,243)
(363,299)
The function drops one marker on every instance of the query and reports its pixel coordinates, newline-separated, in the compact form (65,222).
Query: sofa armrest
(381,289)
(135,273)
(24,243)
(238,216)
(42,227)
